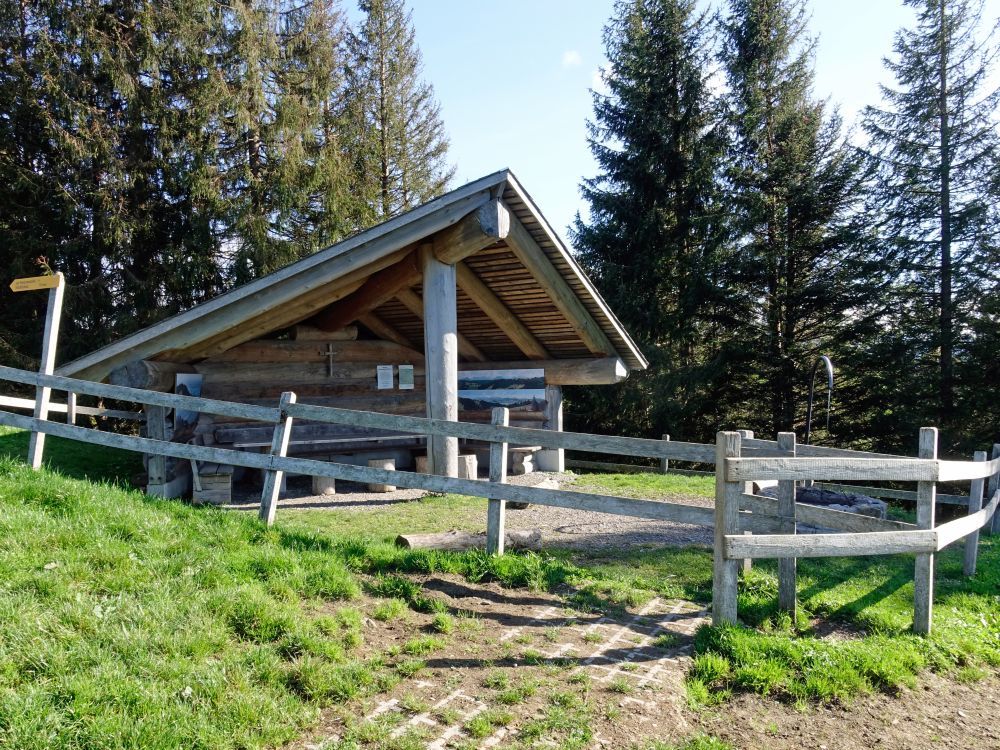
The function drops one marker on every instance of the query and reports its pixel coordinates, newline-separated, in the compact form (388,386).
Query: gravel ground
(560,527)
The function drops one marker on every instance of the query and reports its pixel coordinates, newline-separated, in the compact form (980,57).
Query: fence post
(156,468)
(727,510)
(279,447)
(70,407)
(786,507)
(746,565)
(53,314)
(665,462)
(994,528)
(496,509)
(975,505)
(923,573)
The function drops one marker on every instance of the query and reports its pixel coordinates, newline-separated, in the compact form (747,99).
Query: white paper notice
(406,377)
(384,376)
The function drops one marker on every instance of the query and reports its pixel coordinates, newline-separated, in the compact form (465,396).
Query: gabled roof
(300,290)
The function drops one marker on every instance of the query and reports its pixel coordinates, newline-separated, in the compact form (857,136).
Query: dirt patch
(524,667)
(938,713)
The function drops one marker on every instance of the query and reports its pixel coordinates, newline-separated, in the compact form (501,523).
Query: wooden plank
(379,288)
(975,505)
(665,462)
(496,509)
(893,494)
(549,459)
(725,569)
(412,302)
(90,411)
(906,469)
(923,571)
(963,527)
(991,489)
(309,333)
(293,352)
(818,451)
(600,371)
(776,546)
(279,447)
(279,288)
(485,226)
(499,313)
(156,469)
(50,338)
(788,508)
(441,360)
(623,506)
(71,408)
(380,328)
(695,452)
(964,471)
(524,246)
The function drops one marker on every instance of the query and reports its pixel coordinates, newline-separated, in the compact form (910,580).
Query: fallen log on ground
(458,541)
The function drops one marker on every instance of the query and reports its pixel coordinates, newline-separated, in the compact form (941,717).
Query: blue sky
(513,80)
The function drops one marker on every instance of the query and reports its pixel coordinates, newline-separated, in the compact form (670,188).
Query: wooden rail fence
(738,458)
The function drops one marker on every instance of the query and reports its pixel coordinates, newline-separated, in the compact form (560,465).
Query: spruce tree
(794,185)
(936,143)
(399,148)
(654,241)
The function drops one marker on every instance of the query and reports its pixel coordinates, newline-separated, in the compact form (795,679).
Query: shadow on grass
(75,459)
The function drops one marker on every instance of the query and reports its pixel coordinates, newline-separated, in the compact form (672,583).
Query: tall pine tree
(936,143)
(794,185)
(400,149)
(654,242)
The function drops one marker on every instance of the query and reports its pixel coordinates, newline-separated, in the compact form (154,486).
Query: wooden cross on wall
(329,354)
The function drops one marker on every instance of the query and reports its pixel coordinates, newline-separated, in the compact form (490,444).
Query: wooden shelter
(475,281)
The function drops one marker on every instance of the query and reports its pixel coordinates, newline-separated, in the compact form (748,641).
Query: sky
(513,80)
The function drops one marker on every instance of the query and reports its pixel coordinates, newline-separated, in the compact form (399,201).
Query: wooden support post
(496,509)
(747,564)
(665,462)
(156,469)
(279,447)
(727,508)
(923,573)
(552,459)
(786,508)
(441,360)
(53,314)
(991,490)
(70,408)
(975,505)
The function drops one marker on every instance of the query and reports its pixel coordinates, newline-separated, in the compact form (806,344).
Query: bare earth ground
(534,669)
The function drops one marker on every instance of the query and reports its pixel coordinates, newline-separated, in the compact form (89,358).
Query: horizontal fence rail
(746,526)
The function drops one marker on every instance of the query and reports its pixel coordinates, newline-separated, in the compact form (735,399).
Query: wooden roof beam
(499,313)
(483,227)
(383,330)
(378,289)
(412,302)
(528,251)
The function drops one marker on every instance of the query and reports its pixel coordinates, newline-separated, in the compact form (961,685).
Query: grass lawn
(131,622)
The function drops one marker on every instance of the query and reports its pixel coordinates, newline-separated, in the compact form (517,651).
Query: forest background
(160,153)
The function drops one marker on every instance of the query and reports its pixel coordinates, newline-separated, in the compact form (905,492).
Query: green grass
(648,486)
(74,459)
(131,622)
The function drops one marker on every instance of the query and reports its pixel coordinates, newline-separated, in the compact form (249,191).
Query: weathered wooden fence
(739,460)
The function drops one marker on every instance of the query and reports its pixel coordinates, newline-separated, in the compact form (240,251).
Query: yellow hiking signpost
(56,284)
(31,283)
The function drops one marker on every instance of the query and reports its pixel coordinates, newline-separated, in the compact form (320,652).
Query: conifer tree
(938,151)
(399,148)
(793,185)
(654,241)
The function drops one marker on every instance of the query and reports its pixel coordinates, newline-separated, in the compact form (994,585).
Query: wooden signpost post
(56,284)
